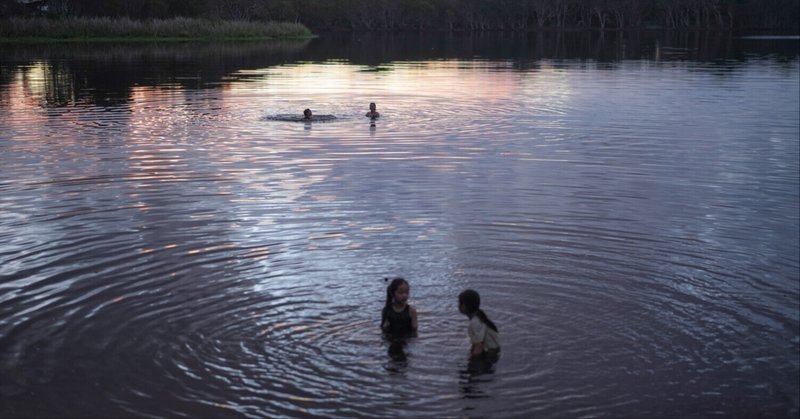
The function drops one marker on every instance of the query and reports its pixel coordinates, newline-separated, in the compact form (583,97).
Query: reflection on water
(626,204)
(70,74)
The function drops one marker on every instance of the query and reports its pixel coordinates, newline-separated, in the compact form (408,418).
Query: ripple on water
(180,255)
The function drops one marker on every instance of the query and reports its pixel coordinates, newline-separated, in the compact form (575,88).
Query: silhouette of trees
(470,15)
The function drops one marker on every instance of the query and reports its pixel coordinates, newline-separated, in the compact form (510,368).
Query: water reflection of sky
(156,133)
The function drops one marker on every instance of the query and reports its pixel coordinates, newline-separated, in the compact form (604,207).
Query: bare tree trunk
(619,16)
(601,17)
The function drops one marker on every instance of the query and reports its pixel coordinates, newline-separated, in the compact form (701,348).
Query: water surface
(627,206)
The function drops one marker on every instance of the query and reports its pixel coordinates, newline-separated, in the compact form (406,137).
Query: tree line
(448,15)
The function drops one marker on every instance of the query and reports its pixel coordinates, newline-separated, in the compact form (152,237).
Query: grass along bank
(125,29)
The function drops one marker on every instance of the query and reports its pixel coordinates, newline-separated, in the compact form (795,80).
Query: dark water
(627,205)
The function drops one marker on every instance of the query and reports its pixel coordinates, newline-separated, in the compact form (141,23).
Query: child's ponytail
(485,319)
(472,305)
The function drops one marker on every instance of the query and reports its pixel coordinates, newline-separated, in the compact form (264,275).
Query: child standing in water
(482,332)
(398,317)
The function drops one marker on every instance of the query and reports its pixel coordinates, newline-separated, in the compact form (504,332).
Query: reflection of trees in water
(526,48)
(104,74)
(59,84)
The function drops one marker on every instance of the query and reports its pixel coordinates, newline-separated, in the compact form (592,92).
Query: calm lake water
(627,206)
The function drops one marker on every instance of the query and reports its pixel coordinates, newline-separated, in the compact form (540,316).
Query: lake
(625,203)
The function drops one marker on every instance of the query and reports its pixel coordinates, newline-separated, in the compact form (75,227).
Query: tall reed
(103,27)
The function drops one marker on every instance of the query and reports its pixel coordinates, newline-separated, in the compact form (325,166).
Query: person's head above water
(372,112)
(307,113)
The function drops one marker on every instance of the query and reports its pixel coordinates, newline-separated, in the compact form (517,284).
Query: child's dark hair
(472,305)
(390,290)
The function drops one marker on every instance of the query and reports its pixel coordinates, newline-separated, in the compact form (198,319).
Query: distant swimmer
(372,112)
(308,116)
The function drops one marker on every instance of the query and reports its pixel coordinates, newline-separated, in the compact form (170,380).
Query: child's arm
(477,349)
(477,335)
(413,313)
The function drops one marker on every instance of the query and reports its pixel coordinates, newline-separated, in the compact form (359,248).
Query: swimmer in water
(372,112)
(307,114)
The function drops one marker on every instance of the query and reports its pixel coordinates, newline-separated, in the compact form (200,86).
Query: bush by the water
(103,27)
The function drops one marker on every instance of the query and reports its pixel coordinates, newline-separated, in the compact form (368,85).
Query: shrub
(181,27)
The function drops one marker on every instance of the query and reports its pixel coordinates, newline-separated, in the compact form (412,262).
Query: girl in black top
(398,317)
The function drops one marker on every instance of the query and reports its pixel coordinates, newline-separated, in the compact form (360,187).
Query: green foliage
(105,27)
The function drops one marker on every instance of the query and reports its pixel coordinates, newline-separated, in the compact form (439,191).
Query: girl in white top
(482,332)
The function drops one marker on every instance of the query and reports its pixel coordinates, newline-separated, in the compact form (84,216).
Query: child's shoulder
(475,322)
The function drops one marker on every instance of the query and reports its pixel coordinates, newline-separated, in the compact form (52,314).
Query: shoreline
(187,30)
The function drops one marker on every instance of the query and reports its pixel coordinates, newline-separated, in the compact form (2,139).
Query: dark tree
(447,15)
